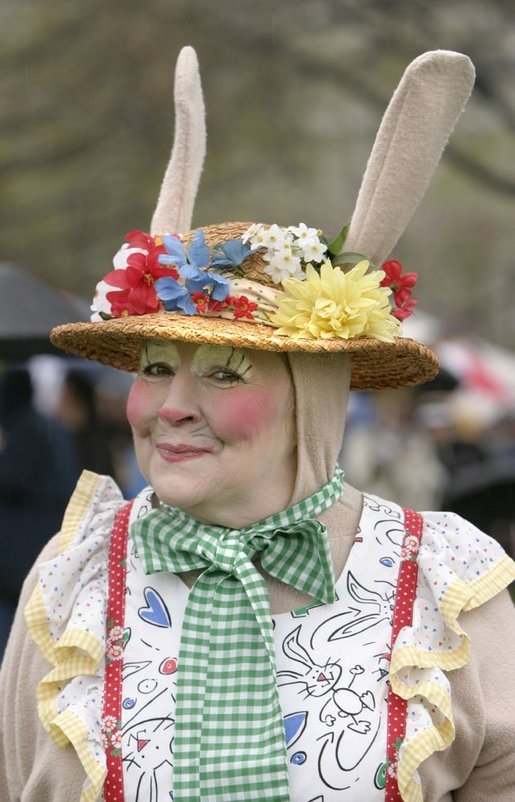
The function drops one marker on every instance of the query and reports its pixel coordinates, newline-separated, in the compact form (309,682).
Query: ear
(410,141)
(293,649)
(179,188)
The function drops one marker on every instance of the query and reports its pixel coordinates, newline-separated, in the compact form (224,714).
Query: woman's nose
(180,405)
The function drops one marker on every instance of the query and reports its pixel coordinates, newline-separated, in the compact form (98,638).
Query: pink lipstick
(180,452)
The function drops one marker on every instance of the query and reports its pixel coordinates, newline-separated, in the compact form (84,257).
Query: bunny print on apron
(332,671)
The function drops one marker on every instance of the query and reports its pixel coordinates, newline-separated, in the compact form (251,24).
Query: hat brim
(375,365)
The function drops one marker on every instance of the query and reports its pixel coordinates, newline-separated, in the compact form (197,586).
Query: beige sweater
(478,766)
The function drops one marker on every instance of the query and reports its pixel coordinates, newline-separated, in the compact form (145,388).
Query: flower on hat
(243,308)
(174,252)
(287,250)
(192,273)
(230,254)
(284,263)
(175,296)
(134,292)
(315,293)
(401,286)
(331,303)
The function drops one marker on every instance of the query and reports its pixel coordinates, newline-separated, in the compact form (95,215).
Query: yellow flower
(334,304)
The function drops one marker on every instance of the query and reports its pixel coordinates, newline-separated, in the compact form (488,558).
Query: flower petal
(198,252)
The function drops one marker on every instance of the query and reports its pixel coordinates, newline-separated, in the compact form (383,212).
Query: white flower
(314,250)
(109,724)
(253,233)
(392,770)
(275,272)
(100,302)
(275,237)
(120,258)
(116,740)
(303,234)
(283,264)
(300,273)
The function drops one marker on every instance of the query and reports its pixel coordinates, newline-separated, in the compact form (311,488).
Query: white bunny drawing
(321,680)
(372,608)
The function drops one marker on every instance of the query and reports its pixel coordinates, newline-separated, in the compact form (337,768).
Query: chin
(178,492)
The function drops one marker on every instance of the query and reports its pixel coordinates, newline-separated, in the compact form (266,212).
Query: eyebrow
(237,368)
(145,352)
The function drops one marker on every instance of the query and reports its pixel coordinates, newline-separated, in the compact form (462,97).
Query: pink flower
(409,548)
(114,646)
(392,770)
(116,740)
(110,734)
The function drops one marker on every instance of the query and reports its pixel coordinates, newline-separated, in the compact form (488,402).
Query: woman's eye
(225,376)
(158,369)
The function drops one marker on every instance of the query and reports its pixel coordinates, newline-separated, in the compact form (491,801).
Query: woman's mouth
(180,452)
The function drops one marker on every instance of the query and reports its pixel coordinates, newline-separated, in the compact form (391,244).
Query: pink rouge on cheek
(141,403)
(242,413)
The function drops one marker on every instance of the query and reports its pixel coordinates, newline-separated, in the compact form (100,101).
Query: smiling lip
(181,452)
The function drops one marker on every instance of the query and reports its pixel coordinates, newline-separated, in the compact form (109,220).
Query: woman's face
(214,430)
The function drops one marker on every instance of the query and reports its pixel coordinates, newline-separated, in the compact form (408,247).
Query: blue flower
(209,283)
(197,255)
(175,254)
(191,266)
(231,253)
(174,296)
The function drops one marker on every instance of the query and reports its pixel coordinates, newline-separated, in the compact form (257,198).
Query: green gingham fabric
(229,743)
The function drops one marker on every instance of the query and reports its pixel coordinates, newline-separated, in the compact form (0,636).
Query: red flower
(402,286)
(218,306)
(138,239)
(201,301)
(120,303)
(405,309)
(135,294)
(243,307)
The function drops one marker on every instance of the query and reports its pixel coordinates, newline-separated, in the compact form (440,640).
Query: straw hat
(279,288)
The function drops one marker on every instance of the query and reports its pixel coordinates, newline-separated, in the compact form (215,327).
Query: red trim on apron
(402,617)
(112,715)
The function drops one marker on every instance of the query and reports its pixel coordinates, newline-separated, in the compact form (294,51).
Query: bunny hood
(321,386)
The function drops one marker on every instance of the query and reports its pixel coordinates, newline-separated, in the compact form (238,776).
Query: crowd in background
(58,417)
(441,446)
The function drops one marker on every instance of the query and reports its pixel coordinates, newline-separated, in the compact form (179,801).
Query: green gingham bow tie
(229,743)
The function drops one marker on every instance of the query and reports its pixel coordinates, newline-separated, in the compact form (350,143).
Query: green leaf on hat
(348,258)
(336,245)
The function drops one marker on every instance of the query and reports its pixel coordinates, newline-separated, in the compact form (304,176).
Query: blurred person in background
(389,451)
(477,452)
(38,470)
(77,411)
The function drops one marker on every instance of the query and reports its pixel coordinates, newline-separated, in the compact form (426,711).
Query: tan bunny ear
(412,135)
(175,205)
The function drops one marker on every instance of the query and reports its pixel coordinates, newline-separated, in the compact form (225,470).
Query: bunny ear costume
(333,661)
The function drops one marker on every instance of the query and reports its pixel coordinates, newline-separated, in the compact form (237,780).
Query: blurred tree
(294,91)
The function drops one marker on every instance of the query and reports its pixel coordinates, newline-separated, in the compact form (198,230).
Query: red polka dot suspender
(111,720)
(402,617)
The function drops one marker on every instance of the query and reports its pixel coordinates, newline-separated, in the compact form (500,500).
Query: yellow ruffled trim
(459,597)
(75,653)
(81,498)
(74,731)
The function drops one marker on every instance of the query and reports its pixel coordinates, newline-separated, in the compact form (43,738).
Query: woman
(250,627)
